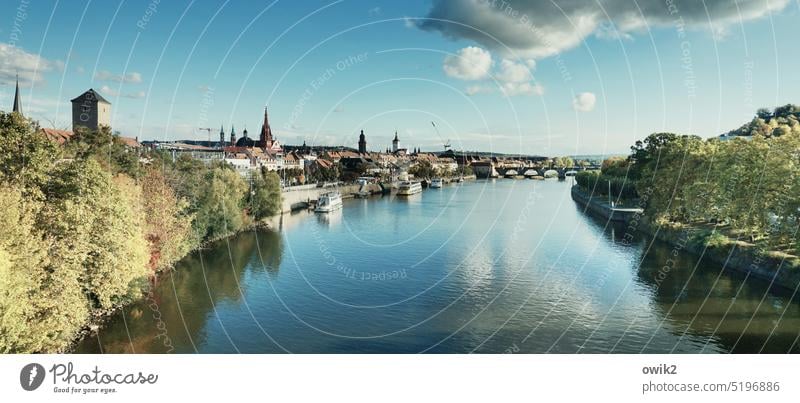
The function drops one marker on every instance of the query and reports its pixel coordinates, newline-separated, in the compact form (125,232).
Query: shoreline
(741,257)
(96,321)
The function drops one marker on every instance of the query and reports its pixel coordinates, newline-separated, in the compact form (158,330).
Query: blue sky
(585,81)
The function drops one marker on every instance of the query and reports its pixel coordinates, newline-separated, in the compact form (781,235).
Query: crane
(446,143)
(208,130)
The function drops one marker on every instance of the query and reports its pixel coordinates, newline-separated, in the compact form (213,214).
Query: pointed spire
(395,136)
(266,132)
(17,100)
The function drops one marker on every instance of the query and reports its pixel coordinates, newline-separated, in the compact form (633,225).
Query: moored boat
(408,188)
(436,183)
(328,202)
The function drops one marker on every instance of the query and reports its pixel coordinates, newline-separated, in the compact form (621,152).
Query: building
(90,110)
(395,143)
(17,100)
(362,143)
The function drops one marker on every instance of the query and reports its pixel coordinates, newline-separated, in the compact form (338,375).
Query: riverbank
(778,269)
(600,207)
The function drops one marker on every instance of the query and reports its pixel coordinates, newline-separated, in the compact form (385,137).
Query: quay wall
(776,269)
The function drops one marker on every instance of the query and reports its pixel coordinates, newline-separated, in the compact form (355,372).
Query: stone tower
(362,143)
(395,143)
(90,110)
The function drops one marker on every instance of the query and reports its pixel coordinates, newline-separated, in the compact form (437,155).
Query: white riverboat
(408,188)
(328,202)
(436,183)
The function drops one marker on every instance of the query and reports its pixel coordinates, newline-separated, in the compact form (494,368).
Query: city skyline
(508,77)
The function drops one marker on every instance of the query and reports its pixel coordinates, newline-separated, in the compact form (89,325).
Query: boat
(570,173)
(408,188)
(436,183)
(328,202)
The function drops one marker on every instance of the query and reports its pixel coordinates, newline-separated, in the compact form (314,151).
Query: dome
(245,142)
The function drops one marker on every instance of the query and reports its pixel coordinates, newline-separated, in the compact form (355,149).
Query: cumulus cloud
(30,67)
(478,89)
(511,89)
(104,75)
(511,78)
(539,29)
(471,63)
(584,102)
(115,93)
(513,72)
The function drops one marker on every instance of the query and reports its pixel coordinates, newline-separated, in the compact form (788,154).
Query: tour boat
(328,202)
(409,188)
(436,183)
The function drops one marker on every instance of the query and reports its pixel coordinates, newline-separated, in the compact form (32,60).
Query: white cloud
(374,11)
(471,63)
(512,89)
(115,93)
(104,75)
(513,72)
(584,102)
(29,66)
(511,78)
(540,29)
(478,89)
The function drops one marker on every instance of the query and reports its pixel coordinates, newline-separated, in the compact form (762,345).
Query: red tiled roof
(130,142)
(57,136)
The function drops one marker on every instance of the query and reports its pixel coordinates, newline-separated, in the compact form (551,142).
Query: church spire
(17,100)
(266,132)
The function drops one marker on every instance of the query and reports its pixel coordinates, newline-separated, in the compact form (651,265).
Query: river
(487,266)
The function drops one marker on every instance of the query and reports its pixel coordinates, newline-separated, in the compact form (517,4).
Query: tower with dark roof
(90,110)
(362,143)
(266,139)
(233,136)
(395,143)
(222,137)
(17,99)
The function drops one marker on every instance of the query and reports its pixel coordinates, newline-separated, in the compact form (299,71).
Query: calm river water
(487,266)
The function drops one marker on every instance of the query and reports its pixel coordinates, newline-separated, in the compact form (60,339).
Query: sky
(509,76)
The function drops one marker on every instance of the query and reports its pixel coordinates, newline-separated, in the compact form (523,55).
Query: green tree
(26,155)
(265,197)
(168,224)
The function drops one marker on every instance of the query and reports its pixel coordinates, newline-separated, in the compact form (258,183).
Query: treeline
(85,226)
(747,188)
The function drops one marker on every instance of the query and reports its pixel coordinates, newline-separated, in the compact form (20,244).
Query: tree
(265,198)
(218,207)
(26,155)
(422,170)
(168,224)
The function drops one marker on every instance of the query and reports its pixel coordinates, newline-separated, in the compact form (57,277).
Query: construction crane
(446,144)
(208,130)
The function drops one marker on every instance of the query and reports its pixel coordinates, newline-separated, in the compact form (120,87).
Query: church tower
(222,137)
(395,143)
(266,132)
(362,143)
(17,100)
(233,137)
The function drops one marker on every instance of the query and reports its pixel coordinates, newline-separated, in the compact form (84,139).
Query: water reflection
(184,299)
(475,267)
